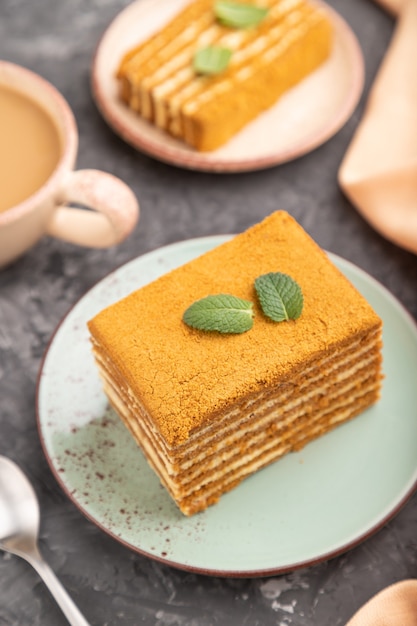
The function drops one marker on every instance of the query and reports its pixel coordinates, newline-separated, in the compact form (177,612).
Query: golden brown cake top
(184,376)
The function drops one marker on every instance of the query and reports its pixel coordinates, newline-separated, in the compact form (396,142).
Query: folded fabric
(394,606)
(379,175)
(379,170)
(393,6)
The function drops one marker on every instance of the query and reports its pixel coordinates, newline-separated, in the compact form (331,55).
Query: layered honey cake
(209,409)
(158,78)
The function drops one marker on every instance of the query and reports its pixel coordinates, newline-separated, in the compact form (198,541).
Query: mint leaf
(222,313)
(211,60)
(280,296)
(238,15)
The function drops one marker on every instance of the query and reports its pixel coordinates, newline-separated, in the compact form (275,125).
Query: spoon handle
(70,610)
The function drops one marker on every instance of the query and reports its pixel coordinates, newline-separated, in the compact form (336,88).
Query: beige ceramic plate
(303,119)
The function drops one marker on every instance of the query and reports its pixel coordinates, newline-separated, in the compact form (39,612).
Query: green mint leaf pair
(213,60)
(280,297)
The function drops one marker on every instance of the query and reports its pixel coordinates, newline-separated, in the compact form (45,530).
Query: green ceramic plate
(307,507)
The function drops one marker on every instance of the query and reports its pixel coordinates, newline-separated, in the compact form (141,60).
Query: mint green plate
(305,508)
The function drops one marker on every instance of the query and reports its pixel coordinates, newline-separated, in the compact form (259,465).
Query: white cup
(48,211)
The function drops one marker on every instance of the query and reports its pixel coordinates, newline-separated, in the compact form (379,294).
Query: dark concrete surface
(112,585)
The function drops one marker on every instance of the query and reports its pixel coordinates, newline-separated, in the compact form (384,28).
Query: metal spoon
(19,527)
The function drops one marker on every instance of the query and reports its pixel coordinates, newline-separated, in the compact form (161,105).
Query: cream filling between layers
(240,466)
(208,493)
(163,467)
(277,421)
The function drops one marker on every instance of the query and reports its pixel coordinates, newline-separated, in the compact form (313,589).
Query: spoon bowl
(19,529)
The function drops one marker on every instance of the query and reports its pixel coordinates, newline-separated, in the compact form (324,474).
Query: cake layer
(158,80)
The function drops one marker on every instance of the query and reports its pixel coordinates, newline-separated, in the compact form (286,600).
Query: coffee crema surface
(29,147)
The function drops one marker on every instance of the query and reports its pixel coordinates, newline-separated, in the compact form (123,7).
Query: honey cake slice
(209,409)
(158,81)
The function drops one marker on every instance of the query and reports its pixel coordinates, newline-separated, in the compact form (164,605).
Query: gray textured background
(111,584)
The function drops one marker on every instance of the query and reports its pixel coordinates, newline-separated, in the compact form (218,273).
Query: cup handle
(113,215)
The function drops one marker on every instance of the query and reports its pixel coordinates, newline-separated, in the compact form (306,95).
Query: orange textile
(394,606)
(379,170)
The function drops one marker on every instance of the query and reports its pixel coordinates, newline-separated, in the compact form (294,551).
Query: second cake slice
(158,80)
